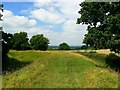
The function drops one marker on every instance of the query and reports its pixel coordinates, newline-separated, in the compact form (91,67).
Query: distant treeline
(20,41)
(71,47)
(82,47)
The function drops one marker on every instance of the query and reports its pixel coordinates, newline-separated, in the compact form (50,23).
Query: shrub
(5,48)
(92,52)
(113,61)
(64,46)
(84,47)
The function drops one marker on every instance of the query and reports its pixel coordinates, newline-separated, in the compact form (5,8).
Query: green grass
(57,69)
(104,60)
(98,58)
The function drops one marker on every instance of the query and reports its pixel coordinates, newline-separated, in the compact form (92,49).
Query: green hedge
(113,61)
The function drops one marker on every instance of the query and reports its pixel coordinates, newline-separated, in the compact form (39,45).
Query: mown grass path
(58,69)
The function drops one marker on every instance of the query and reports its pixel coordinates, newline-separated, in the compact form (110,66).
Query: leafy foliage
(103,20)
(64,46)
(6,42)
(39,42)
(6,37)
(84,47)
(103,60)
(20,41)
(113,61)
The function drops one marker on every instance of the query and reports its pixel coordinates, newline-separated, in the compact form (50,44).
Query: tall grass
(100,59)
(57,69)
(104,60)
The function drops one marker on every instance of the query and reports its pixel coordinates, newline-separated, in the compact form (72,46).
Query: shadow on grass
(11,65)
(113,61)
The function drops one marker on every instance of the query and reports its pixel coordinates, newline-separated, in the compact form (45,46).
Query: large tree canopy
(103,20)
(4,38)
(20,41)
(6,42)
(39,42)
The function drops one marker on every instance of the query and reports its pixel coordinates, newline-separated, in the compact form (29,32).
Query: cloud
(68,9)
(71,33)
(13,23)
(49,1)
(42,3)
(42,0)
(47,16)
(72,37)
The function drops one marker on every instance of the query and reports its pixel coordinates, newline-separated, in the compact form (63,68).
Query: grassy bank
(56,69)
(110,60)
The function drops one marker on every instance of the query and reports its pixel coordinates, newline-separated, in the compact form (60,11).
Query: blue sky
(17,7)
(56,20)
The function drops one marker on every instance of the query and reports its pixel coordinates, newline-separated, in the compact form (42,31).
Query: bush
(84,47)
(5,47)
(113,61)
(92,52)
(64,46)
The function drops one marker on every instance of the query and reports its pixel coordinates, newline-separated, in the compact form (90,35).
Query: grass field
(101,51)
(57,69)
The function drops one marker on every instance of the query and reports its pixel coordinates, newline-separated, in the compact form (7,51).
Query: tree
(5,48)
(7,37)
(64,46)
(106,34)
(20,41)
(6,42)
(84,47)
(39,42)
(3,40)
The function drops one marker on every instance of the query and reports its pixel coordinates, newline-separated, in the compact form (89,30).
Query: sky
(56,20)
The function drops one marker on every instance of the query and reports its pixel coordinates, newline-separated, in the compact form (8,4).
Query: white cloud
(71,26)
(42,0)
(45,1)
(13,23)
(42,3)
(71,33)
(46,16)
(69,9)
(53,13)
